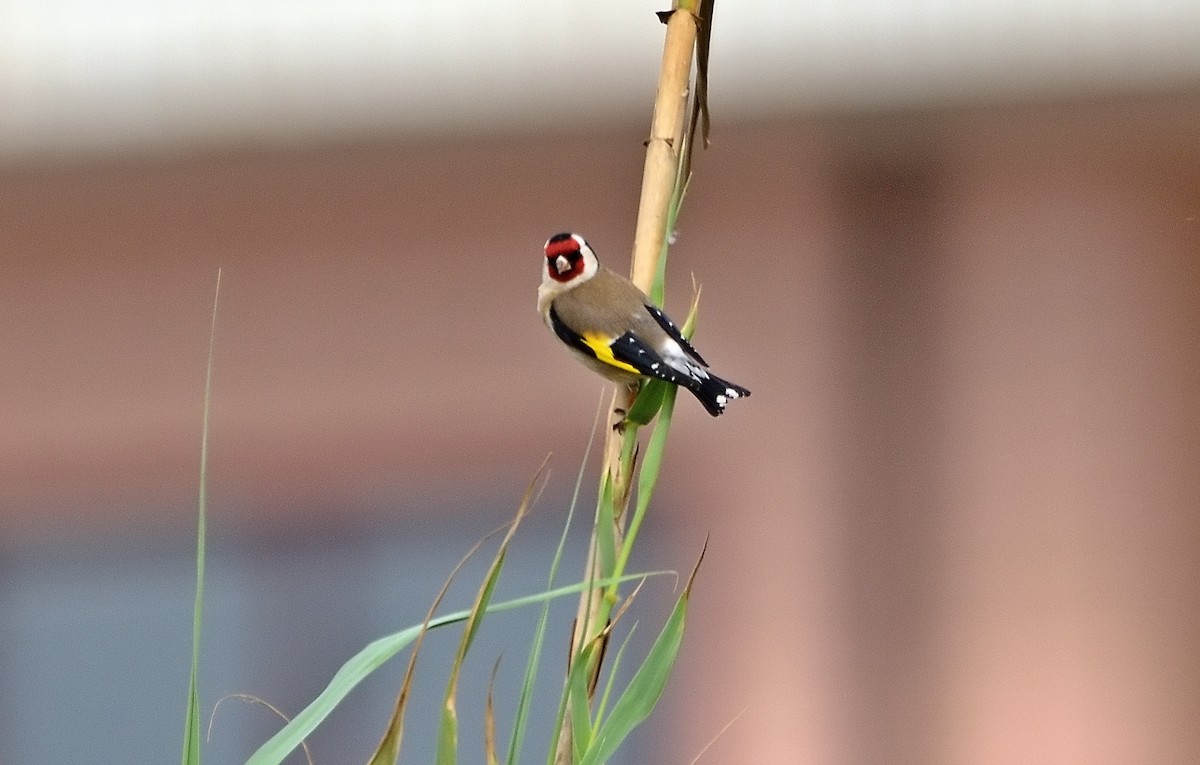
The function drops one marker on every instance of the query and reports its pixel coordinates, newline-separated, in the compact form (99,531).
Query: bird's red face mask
(564,260)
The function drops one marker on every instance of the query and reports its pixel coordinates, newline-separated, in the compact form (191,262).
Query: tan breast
(608,304)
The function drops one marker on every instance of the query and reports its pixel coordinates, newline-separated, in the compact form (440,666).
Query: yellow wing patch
(601,345)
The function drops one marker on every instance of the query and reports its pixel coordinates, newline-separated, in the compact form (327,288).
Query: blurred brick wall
(957,521)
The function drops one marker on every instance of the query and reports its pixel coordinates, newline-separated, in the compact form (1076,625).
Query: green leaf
(648,475)
(639,698)
(648,402)
(578,703)
(447,753)
(609,684)
(447,746)
(191,726)
(606,538)
(652,462)
(489,719)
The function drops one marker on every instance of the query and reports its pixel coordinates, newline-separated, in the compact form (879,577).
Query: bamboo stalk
(659,177)
(662,149)
(658,184)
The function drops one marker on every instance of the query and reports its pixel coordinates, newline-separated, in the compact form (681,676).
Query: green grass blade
(602,706)
(659,288)
(578,703)
(639,698)
(376,653)
(606,535)
(489,719)
(648,402)
(648,474)
(652,462)
(191,726)
(447,741)
(556,737)
(447,751)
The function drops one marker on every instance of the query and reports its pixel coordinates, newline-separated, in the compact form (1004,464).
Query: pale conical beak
(562,264)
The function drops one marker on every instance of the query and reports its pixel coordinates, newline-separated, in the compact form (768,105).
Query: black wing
(627,352)
(630,349)
(669,327)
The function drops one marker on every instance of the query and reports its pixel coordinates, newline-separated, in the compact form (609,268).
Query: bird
(616,330)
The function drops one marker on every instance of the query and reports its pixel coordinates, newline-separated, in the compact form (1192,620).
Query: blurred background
(953,247)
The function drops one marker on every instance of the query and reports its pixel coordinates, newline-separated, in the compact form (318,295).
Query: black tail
(714,393)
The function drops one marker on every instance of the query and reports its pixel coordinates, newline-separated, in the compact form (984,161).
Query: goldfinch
(615,329)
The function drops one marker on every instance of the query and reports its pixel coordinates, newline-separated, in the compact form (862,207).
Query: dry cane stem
(658,184)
